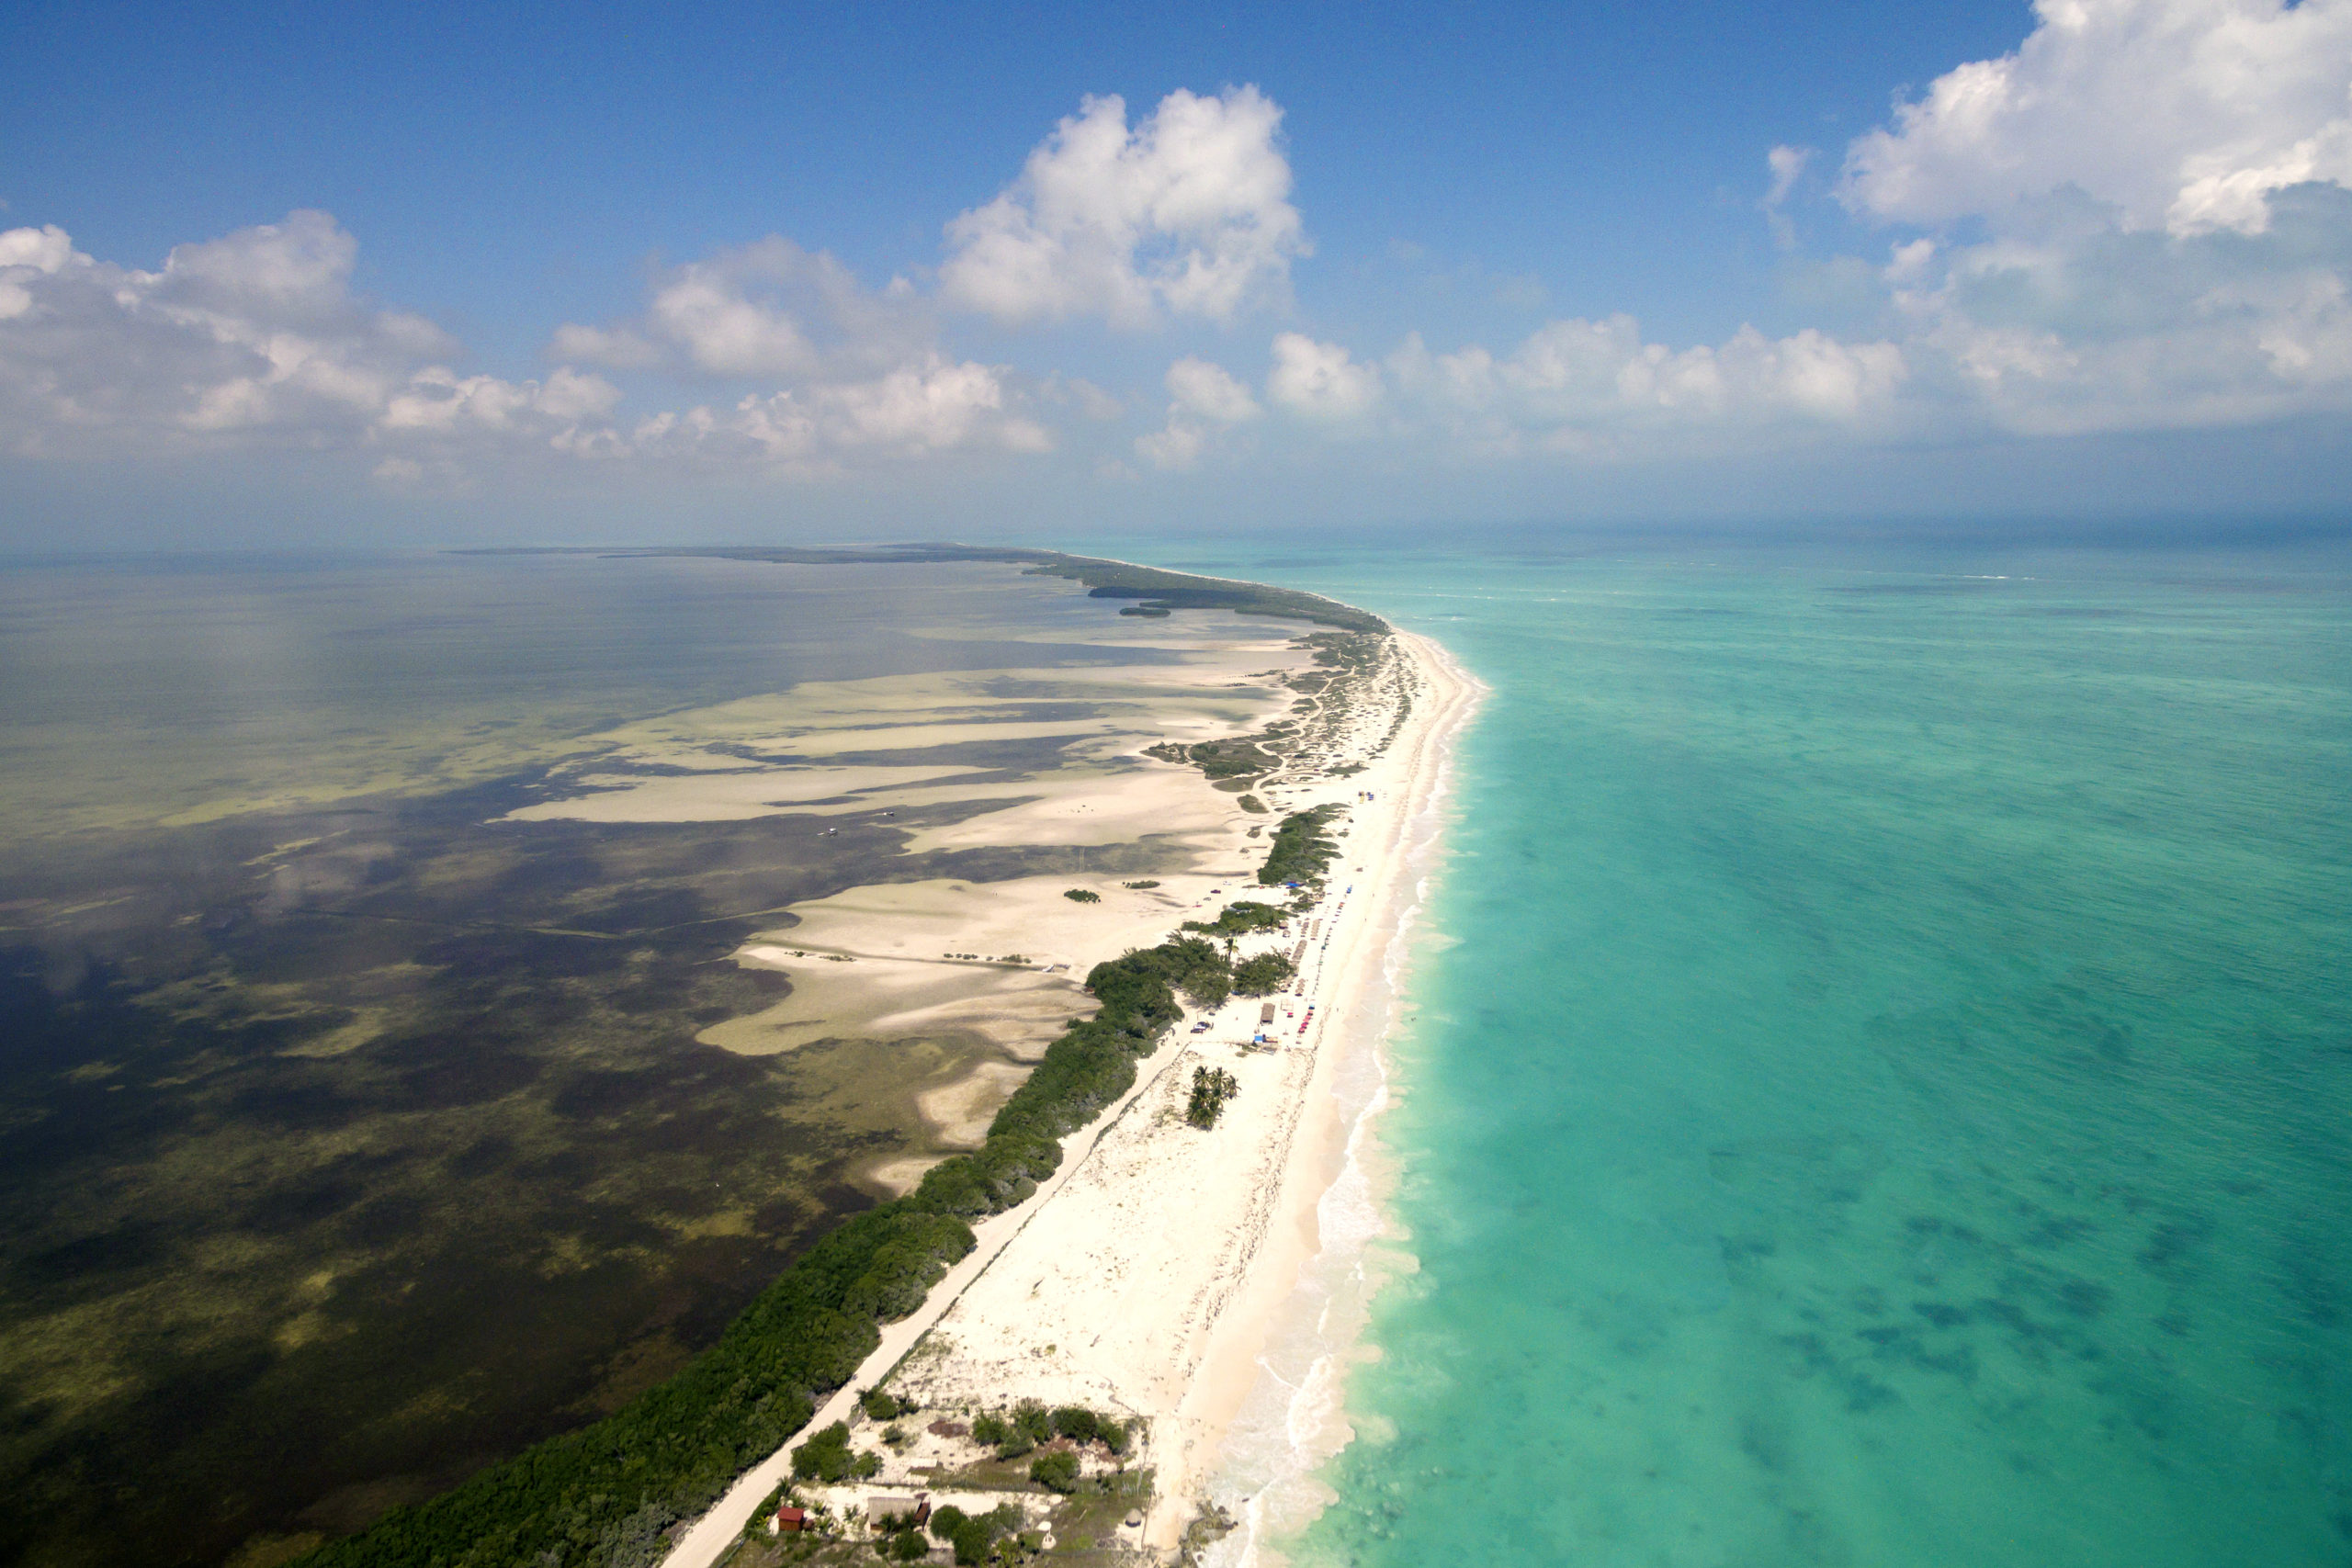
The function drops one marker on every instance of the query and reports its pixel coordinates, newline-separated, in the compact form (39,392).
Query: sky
(357,275)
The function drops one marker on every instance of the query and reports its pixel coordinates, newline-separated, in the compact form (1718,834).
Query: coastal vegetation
(1211,1087)
(1082,1425)
(1302,852)
(828,1457)
(1028,1425)
(1056,1472)
(594,1497)
(1240,917)
(1016,1433)
(1236,762)
(1082,895)
(969,1536)
(1262,974)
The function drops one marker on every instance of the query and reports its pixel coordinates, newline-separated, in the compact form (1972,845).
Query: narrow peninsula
(1030,1348)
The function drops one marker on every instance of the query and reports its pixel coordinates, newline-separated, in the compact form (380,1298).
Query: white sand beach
(1144,1278)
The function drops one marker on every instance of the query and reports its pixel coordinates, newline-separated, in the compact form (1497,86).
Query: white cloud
(1203,396)
(1208,391)
(912,412)
(256,339)
(1189,214)
(1787,164)
(766,310)
(2066,323)
(2184,115)
(439,401)
(618,348)
(2160,235)
(1596,387)
(254,334)
(1177,446)
(1319,380)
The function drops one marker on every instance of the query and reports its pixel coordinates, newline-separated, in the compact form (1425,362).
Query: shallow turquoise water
(1890,1101)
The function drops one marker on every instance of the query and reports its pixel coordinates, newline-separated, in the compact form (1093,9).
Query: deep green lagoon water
(1883,1095)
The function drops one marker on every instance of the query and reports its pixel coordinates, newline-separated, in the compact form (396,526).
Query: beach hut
(1266,1014)
(789,1520)
(884,1509)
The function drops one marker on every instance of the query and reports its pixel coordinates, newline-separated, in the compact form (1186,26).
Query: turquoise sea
(1883,1091)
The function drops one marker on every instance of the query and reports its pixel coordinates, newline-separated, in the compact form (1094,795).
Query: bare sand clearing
(1146,1275)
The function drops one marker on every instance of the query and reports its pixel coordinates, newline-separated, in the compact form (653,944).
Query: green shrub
(971,1542)
(1263,975)
(1302,852)
(1082,895)
(1240,917)
(878,1405)
(1207,985)
(1056,1472)
(1075,1422)
(971,1535)
(824,1457)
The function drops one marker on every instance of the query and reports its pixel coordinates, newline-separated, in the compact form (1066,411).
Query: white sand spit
(1144,1276)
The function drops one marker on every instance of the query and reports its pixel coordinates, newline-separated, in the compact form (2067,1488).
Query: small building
(1266,1014)
(884,1509)
(789,1520)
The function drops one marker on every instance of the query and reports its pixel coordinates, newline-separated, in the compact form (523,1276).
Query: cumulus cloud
(2065,321)
(766,311)
(256,339)
(1188,214)
(2158,230)
(1203,396)
(1597,387)
(1208,391)
(255,331)
(2184,115)
(913,412)
(1319,381)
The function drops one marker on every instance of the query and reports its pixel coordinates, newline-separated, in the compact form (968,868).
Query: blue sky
(748,272)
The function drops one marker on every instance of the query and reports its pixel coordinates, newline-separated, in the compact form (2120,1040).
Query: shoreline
(1189,1252)
(1295,1293)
